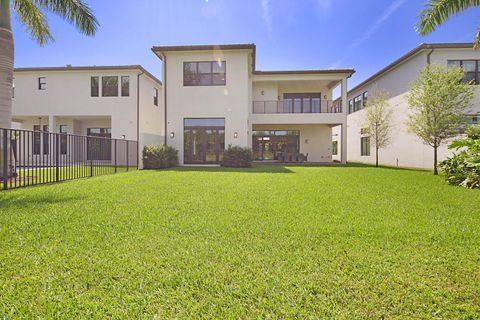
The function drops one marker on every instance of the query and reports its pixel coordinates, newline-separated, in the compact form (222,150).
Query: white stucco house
(122,102)
(405,149)
(214,97)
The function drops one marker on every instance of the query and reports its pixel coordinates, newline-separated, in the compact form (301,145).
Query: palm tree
(32,14)
(438,11)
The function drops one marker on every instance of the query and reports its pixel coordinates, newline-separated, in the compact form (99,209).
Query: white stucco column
(344,96)
(52,124)
(343,143)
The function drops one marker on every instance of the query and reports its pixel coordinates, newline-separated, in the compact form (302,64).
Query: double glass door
(203,143)
(269,145)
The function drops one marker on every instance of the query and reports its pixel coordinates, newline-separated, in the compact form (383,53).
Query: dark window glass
(109,86)
(94,86)
(36,139)
(302,102)
(350,106)
(63,139)
(365,98)
(155,96)
(42,83)
(365,146)
(46,140)
(98,148)
(125,86)
(335,148)
(470,68)
(209,73)
(357,103)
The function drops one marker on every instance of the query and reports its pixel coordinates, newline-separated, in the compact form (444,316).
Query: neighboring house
(122,102)
(405,149)
(215,97)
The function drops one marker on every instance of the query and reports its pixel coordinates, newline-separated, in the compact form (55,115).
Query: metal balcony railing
(297,106)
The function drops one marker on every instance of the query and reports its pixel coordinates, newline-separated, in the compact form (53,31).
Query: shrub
(463,168)
(159,157)
(237,157)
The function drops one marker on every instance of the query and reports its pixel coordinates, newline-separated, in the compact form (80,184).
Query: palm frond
(76,12)
(34,20)
(438,11)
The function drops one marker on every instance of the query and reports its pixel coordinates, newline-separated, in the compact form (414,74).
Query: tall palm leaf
(32,14)
(438,12)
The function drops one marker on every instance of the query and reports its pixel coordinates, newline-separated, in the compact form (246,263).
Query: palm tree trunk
(435,161)
(6,73)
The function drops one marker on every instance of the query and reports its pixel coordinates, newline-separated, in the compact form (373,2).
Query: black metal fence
(36,157)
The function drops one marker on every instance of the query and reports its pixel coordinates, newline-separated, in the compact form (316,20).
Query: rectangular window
(42,83)
(470,68)
(109,86)
(155,96)
(36,139)
(302,102)
(63,139)
(364,99)
(350,106)
(334,148)
(125,86)
(46,140)
(357,103)
(365,146)
(208,73)
(94,86)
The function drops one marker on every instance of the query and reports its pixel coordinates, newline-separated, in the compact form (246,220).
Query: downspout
(429,54)
(164,87)
(138,117)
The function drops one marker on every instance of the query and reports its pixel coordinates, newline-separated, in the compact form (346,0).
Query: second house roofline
(87,68)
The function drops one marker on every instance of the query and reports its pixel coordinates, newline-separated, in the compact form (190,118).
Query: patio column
(344,143)
(52,124)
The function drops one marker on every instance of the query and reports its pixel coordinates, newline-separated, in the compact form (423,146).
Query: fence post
(115,156)
(57,157)
(127,154)
(5,159)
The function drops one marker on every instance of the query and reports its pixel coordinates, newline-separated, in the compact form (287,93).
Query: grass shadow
(256,168)
(15,200)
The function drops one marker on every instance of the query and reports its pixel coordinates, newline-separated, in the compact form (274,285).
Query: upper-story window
(155,96)
(350,106)
(42,83)
(209,73)
(358,103)
(365,99)
(109,86)
(125,86)
(94,89)
(470,69)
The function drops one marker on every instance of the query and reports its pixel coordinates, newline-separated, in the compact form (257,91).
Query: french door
(204,141)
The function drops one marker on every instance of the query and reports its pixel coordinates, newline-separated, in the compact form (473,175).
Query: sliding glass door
(203,140)
(269,145)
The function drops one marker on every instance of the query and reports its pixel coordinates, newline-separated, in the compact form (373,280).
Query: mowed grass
(267,242)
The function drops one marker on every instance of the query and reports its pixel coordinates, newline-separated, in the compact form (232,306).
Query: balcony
(297,106)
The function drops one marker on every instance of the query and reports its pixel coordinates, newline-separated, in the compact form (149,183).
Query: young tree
(438,11)
(32,14)
(438,101)
(378,120)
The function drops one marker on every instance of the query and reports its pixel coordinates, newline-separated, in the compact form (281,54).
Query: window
(42,83)
(210,73)
(472,119)
(363,131)
(365,146)
(36,139)
(94,86)
(125,86)
(350,106)
(364,99)
(302,102)
(63,139)
(155,96)
(46,140)
(470,68)
(357,103)
(13,88)
(334,148)
(109,86)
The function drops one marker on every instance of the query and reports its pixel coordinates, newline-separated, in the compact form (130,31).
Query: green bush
(463,168)
(237,157)
(159,157)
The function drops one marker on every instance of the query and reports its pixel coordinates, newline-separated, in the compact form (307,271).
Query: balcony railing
(297,106)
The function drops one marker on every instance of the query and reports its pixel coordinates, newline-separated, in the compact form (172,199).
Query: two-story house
(405,149)
(215,97)
(123,102)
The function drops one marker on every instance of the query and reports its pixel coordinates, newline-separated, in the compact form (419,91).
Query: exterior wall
(316,140)
(151,117)
(405,149)
(231,101)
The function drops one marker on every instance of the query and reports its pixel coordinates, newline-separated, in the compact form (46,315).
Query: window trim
(127,87)
(197,82)
(365,152)
(103,91)
(42,85)
(476,80)
(91,86)
(155,97)
(335,148)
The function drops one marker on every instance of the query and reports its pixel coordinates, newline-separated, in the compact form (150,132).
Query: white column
(52,124)
(344,124)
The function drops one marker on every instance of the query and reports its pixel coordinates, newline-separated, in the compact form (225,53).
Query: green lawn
(268,242)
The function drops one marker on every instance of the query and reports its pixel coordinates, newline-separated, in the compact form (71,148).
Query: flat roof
(87,68)
(313,71)
(410,54)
